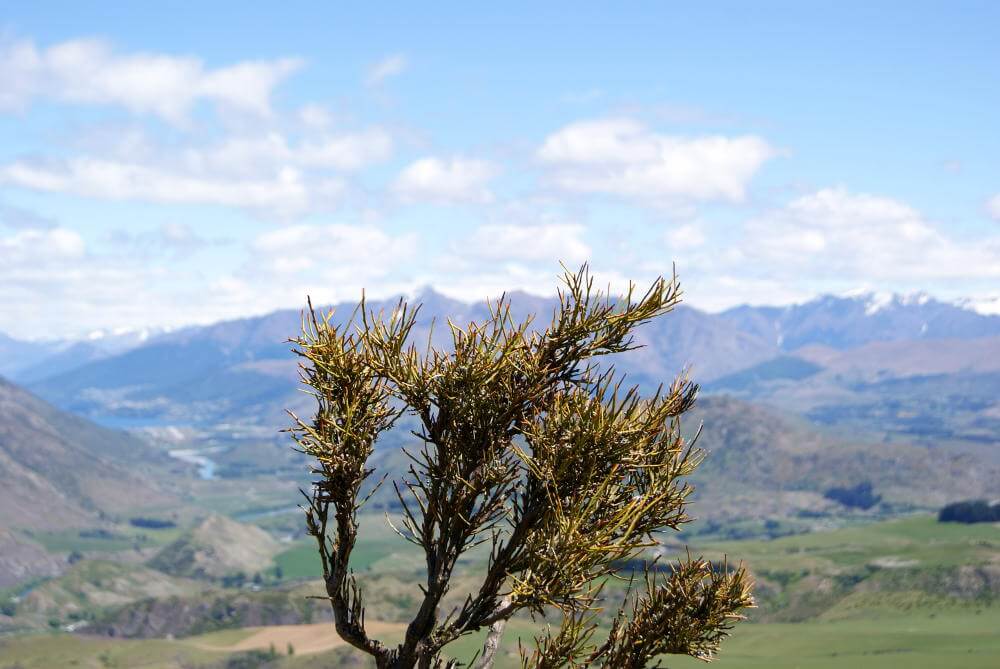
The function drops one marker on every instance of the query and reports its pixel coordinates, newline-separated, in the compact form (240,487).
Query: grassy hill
(90,585)
(217,547)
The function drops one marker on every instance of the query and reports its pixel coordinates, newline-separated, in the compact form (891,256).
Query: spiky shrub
(529,446)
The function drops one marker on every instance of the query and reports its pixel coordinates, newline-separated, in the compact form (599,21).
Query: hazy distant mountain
(244,368)
(60,470)
(62,359)
(16,355)
(27,361)
(241,371)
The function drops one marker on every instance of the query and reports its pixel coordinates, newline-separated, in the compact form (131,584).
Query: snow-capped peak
(879,300)
(918,298)
(985,306)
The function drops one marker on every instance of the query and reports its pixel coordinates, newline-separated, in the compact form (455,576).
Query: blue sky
(180,164)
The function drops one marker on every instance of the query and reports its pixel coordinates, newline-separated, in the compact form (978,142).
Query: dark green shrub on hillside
(152,523)
(970,511)
(254,659)
(860,496)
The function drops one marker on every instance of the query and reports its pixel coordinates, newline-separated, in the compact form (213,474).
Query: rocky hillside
(22,560)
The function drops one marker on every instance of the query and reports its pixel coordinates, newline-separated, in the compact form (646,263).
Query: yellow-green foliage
(529,448)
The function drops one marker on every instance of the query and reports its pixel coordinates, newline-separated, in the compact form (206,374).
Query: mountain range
(32,360)
(242,370)
(822,359)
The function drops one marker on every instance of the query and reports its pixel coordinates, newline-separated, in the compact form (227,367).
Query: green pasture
(920,640)
(47,651)
(119,539)
(378,549)
(916,541)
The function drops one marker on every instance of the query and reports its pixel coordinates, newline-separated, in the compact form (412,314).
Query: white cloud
(329,262)
(390,66)
(828,242)
(126,285)
(993,207)
(284,192)
(546,243)
(686,236)
(449,180)
(12,216)
(315,116)
(473,284)
(178,234)
(298,248)
(168,239)
(266,174)
(344,152)
(31,246)
(54,287)
(89,71)
(622,157)
(836,233)
(716,292)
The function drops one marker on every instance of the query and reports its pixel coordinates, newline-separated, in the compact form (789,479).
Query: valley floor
(926,640)
(908,592)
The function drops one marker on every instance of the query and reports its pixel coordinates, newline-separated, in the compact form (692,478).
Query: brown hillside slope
(58,470)
(762,462)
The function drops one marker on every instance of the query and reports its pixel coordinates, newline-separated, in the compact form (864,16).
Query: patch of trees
(151,523)
(861,496)
(970,511)
(239,579)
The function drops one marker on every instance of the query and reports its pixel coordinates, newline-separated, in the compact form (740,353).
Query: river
(206,466)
